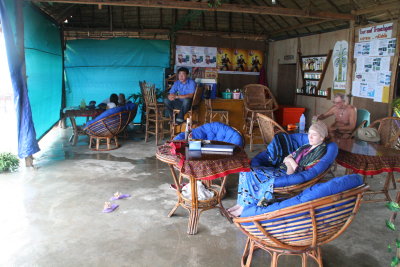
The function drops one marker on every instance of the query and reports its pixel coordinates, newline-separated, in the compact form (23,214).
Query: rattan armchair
(389,131)
(106,127)
(300,229)
(268,128)
(257,99)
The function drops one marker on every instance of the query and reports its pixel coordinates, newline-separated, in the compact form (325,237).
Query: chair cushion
(215,131)
(111,111)
(298,140)
(332,187)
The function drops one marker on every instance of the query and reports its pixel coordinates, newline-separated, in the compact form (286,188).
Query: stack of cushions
(111,111)
(301,177)
(332,187)
(215,131)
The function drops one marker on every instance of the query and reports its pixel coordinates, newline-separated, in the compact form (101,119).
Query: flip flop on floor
(108,207)
(118,195)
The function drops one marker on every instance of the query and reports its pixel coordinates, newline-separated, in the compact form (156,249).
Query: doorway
(286,84)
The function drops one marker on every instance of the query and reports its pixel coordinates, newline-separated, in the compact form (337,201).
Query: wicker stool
(107,141)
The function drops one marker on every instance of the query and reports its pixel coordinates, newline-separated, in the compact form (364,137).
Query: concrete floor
(51,215)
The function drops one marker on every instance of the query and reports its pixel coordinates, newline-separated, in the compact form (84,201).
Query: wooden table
(369,158)
(73,113)
(197,166)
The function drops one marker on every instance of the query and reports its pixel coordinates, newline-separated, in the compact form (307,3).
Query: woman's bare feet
(237,212)
(234,208)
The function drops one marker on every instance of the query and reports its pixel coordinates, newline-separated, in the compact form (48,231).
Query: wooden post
(350,62)
(394,68)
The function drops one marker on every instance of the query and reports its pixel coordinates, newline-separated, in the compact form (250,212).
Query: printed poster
(225,59)
(196,56)
(255,58)
(383,31)
(240,57)
(340,56)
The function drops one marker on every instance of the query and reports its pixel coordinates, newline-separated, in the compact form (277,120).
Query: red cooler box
(288,114)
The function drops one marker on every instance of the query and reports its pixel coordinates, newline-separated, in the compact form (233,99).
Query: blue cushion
(111,111)
(332,187)
(299,140)
(216,131)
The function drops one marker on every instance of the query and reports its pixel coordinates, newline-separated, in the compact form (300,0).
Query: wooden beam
(302,25)
(235,8)
(376,8)
(105,33)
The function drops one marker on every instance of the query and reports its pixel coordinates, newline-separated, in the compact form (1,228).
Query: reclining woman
(256,187)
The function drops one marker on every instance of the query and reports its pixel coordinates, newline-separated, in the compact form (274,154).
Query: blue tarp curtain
(94,69)
(27,143)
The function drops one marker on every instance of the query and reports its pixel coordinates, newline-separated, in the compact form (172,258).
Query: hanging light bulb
(273,2)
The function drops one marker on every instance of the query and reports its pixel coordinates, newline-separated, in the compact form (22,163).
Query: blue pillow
(332,187)
(216,131)
(111,111)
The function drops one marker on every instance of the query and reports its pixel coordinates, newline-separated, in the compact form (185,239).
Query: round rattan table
(369,158)
(195,166)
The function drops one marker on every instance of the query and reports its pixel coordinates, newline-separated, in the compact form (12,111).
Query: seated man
(181,95)
(345,117)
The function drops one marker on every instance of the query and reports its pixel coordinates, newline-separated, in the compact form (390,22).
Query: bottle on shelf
(302,123)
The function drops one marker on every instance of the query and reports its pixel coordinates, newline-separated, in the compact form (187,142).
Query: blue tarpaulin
(27,143)
(97,68)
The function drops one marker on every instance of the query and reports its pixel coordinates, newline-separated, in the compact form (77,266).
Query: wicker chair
(268,128)
(107,127)
(300,229)
(389,131)
(257,99)
(155,119)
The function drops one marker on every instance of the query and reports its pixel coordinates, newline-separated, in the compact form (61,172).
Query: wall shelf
(313,70)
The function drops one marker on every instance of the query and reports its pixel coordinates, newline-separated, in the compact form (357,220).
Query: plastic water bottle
(302,123)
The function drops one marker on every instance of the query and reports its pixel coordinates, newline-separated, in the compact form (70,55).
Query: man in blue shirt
(181,95)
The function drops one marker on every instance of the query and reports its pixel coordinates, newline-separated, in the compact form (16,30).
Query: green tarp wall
(43,57)
(94,69)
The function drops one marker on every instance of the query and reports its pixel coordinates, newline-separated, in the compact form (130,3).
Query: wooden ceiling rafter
(297,19)
(284,20)
(175,4)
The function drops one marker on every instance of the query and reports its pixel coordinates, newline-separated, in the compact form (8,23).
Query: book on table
(208,148)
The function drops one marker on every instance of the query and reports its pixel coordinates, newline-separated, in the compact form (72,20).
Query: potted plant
(8,162)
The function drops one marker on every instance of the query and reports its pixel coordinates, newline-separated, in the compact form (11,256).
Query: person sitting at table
(180,95)
(113,101)
(256,186)
(121,99)
(345,117)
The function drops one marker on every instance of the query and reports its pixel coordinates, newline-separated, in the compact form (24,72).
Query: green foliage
(214,3)
(390,225)
(396,103)
(138,98)
(395,261)
(8,162)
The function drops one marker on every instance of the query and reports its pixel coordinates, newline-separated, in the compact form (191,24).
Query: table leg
(74,137)
(221,207)
(178,189)
(389,178)
(194,210)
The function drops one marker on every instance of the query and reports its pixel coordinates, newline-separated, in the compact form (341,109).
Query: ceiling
(247,19)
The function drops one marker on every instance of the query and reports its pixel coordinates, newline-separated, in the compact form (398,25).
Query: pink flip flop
(117,195)
(108,207)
